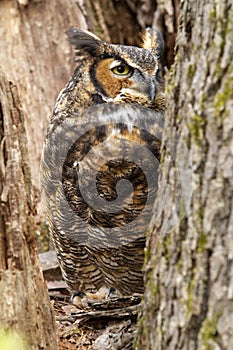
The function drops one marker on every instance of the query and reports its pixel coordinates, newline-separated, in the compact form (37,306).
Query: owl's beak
(146,86)
(152,89)
(141,86)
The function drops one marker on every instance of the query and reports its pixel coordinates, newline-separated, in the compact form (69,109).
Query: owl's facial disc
(115,79)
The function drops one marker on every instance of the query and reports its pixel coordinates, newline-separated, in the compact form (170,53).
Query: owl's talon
(79,299)
(112,293)
(82,299)
(76,294)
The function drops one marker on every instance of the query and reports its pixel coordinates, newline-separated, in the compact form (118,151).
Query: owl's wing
(99,174)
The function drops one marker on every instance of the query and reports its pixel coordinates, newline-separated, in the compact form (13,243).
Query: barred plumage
(104,133)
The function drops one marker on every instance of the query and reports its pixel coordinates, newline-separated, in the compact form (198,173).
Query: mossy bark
(188,303)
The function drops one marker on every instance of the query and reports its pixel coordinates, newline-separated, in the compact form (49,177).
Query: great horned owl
(113,104)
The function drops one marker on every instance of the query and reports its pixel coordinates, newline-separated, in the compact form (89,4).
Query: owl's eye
(122,69)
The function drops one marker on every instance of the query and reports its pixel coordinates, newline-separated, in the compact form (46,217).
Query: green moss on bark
(209,332)
(196,128)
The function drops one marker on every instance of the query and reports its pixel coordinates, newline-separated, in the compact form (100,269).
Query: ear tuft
(84,40)
(153,40)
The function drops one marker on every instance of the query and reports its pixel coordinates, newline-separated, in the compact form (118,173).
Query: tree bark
(188,303)
(24,303)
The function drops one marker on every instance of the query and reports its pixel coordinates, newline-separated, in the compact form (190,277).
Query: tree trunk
(24,302)
(189,260)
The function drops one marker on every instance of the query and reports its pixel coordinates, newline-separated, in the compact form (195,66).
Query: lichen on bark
(192,305)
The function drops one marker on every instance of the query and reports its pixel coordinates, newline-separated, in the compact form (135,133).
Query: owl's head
(118,72)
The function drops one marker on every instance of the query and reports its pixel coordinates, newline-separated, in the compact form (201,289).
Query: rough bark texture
(24,302)
(166,19)
(189,270)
